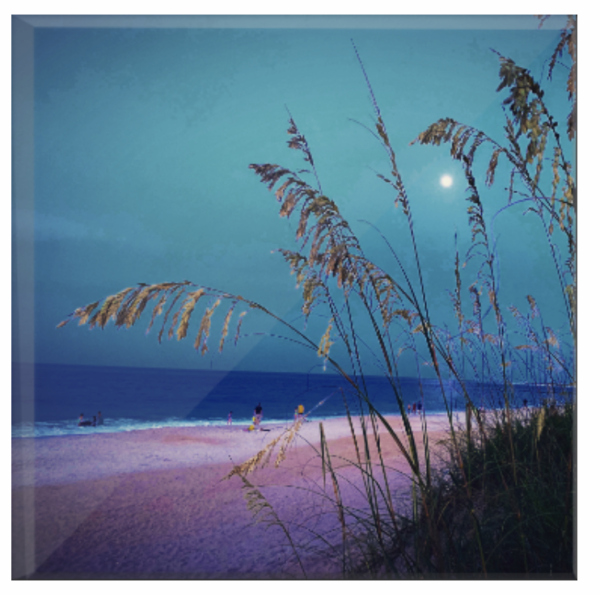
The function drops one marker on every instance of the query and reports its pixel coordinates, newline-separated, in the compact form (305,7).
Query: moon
(446,181)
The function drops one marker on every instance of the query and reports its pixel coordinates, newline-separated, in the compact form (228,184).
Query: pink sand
(152,503)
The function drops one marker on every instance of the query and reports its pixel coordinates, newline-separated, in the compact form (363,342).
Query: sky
(142,138)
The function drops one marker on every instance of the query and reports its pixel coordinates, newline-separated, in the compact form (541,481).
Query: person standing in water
(83,422)
(229,418)
(100,419)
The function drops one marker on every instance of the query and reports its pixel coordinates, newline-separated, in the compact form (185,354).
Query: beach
(155,504)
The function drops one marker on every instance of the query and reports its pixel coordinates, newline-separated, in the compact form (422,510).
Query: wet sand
(153,503)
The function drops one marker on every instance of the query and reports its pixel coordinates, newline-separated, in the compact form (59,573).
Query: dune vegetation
(500,501)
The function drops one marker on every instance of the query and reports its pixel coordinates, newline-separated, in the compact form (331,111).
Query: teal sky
(142,141)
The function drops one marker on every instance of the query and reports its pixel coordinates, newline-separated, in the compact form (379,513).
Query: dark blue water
(137,398)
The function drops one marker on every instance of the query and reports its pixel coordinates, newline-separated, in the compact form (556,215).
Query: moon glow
(446,181)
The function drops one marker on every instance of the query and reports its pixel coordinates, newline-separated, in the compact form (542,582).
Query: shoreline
(81,457)
(153,503)
(67,428)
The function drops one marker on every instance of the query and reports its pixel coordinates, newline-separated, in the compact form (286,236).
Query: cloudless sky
(143,137)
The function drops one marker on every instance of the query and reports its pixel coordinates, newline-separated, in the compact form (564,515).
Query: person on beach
(419,407)
(100,420)
(229,418)
(258,414)
(94,421)
(300,411)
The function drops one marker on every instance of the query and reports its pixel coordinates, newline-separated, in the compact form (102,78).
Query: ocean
(140,398)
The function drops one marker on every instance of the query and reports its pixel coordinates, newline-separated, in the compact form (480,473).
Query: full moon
(446,181)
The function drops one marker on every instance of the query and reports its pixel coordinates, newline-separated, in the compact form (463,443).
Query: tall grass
(500,501)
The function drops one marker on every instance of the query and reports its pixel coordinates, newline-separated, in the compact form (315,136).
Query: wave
(41,429)
(45,429)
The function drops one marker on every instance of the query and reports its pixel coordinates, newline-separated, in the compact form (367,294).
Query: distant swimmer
(83,422)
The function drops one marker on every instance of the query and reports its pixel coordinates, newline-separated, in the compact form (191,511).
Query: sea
(47,399)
